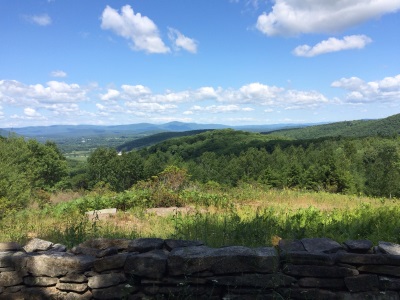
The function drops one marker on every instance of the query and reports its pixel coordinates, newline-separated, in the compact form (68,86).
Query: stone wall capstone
(152,268)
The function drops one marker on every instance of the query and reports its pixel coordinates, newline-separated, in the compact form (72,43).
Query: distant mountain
(69,131)
(156,138)
(360,128)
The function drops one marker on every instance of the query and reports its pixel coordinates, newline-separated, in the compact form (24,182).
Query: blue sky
(232,62)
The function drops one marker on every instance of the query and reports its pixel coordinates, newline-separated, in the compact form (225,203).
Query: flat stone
(358,246)
(9,246)
(319,271)
(110,262)
(382,295)
(362,283)
(368,259)
(325,283)
(307,258)
(234,259)
(10,278)
(40,281)
(58,264)
(107,252)
(380,269)
(306,294)
(74,278)
(172,244)
(321,245)
(58,248)
(85,250)
(151,264)
(389,283)
(254,280)
(78,296)
(291,245)
(389,248)
(106,280)
(104,243)
(145,245)
(114,292)
(72,287)
(36,244)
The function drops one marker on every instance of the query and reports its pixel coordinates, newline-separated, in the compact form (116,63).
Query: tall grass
(247,215)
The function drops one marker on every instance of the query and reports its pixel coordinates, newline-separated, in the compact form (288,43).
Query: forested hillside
(361,128)
(369,165)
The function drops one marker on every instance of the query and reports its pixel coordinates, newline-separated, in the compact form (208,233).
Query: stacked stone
(157,269)
(325,269)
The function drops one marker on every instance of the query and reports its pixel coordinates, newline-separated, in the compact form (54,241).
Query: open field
(246,215)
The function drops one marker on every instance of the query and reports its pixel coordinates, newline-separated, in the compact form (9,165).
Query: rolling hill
(360,128)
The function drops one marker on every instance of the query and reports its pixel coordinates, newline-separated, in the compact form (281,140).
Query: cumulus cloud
(182,42)
(220,108)
(31,112)
(110,95)
(294,17)
(58,73)
(140,30)
(150,107)
(360,91)
(12,91)
(41,20)
(333,45)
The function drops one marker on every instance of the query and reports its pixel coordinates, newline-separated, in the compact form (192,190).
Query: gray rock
(383,295)
(307,294)
(380,269)
(72,287)
(10,278)
(291,245)
(145,244)
(9,246)
(58,248)
(111,262)
(104,243)
(319,271)
(106,280)
(78,296)
(389,248)
(85,250)
(107,252)
(321,245)
(389,283)
(368,259)
(254,280)
(40,281)
(326,283)
(58,264)
(114,292)
(151,264)
(224,260)
(362,283)
(36,244)
(74,278)
(307,258)
(359,246)
(172,244)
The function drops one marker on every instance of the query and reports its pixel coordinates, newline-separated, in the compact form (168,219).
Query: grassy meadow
(249,215)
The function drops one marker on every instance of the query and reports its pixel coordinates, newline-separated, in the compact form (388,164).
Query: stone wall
(174,269)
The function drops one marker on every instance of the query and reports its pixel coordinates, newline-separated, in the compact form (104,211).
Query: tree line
(368,166)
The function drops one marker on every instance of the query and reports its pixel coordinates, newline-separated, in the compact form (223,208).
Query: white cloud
(150,107)
(41,20)
(139,30)
(31,112)
(135,90)
(110,95)
(12,91)
(182,42)
(58,73)
(333,45)
(360,91)
(294,17)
